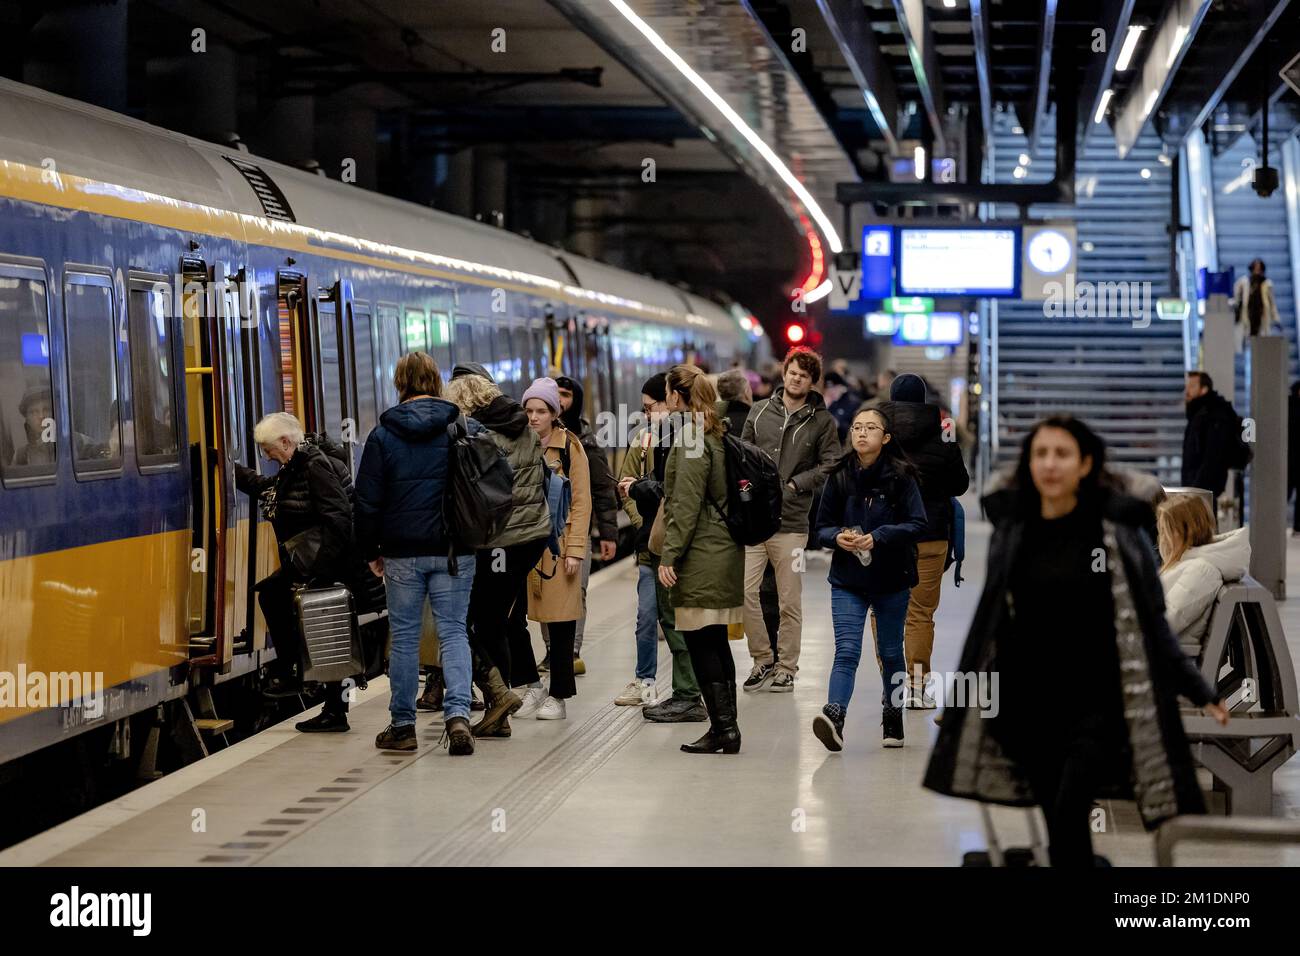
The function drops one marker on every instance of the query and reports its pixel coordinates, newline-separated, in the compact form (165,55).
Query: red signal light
(795,333)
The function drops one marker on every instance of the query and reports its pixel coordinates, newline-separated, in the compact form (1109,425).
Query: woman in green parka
(703,568)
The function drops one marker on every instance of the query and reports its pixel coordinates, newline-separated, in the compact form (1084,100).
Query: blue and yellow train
(158,295)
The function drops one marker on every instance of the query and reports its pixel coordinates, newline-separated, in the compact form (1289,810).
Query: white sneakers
(533,699)
(551,709)
(640,692)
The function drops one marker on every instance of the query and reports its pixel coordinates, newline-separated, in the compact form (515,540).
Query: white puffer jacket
(1192,584)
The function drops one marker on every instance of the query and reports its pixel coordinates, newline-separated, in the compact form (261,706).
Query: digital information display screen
(962,261)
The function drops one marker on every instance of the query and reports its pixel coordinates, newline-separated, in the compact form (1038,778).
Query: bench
(1222,830)
(1245,657)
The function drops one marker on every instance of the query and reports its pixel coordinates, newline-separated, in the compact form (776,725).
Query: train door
(363,383)
(256,553)
(327,364)
(229,380)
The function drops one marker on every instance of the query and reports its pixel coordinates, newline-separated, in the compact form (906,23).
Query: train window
(153,384)
(440,341)
(363,358)
(415,332)
(539,352)
(390,350)
(464,340)
(27,423)
(92,372)
(331,383)
(523,358)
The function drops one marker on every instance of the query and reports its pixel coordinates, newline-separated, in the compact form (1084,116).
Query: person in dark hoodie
(604,498)
(931,445)
(309,504)
(735,391)
(870,514)
(1072,611)
(842,401)
(498,604)
(1211,437)
(401,489)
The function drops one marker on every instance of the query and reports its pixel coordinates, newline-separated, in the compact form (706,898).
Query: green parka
(710,566)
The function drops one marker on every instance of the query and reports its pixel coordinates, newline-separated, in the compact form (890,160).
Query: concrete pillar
(208,109)
(1268,478)
(455,193)
(489,184)
(346,132)
(80,52)
(287,131)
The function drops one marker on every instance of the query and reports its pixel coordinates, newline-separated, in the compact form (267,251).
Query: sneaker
(677,710)
(828,727)
(579,668)
(640,691)
(912,700)
(891,725)
(397,738)
(760,677)
(928,695)
(533,698)
(544,665)
(457,738)
(324,723)
(551,709)
(782,683)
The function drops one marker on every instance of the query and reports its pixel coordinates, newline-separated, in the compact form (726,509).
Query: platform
(605,786)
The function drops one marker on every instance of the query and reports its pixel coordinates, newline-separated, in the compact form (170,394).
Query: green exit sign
(908,305)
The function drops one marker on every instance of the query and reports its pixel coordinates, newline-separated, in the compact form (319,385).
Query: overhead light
(918,162)
(1151,101)
(1146,173)
(1101,107)
(734,118)
(821,292)
(1018,172)
(1179,36)
(950,4)
(1126,51)
(1024,159)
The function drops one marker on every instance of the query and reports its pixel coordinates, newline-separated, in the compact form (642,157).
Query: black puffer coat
(604,489)
(968,760)
(1209,442)
(941,472)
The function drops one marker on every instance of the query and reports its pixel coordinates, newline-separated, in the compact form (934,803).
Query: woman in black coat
(1078,674)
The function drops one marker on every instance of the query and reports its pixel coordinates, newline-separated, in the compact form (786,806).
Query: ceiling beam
(915,24)
(1037,111)
(1114,18)
(848,24)
(1165,50)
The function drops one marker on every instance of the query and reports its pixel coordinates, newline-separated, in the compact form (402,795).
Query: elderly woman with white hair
(309,504)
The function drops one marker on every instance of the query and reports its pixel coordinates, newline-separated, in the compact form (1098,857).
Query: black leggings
(710,655)
(498,603)
(563,685)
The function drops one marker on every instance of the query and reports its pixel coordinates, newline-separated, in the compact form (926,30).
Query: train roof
(52,133)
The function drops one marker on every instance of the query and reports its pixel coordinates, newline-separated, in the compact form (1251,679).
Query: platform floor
(605,786)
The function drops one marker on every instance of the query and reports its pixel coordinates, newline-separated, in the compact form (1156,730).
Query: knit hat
(908,388)
(546,390)
(656,386)
(471,368)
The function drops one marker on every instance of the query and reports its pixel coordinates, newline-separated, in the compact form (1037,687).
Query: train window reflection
(153,393)
(27,424)
(92,378)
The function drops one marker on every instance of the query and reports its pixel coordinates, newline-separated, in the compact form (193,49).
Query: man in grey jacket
(795,428)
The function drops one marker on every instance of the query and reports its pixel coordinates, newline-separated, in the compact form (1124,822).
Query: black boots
(891,726)
(724,735)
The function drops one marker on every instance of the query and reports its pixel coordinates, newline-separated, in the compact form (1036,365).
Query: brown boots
(500,701)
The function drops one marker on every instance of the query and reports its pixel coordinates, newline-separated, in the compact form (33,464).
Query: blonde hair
(1183,523)
(693,386)
(417,374)
(471,392)
(275,426)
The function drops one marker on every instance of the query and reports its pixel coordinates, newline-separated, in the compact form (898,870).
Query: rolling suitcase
(331,641)
(1015,856)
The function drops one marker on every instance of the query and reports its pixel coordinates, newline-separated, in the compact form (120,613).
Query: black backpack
(753,512)
(480,487)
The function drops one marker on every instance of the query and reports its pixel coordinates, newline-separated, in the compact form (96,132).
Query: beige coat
(559,598)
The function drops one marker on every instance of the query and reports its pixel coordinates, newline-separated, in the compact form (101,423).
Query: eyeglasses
(865,428)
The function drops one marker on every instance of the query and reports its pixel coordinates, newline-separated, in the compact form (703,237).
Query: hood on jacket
(503,415)
(814,399)
(1118,506)
(1228,552)
(573,417)
(330,447)
(421,419)
(913,423)
(1211,401)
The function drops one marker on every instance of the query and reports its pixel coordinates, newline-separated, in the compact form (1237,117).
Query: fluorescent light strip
(821,292)
(723,107)
(1126,51)
(1101,107)
(1180,35)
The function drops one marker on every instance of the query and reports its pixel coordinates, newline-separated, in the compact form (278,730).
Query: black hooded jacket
(940,469)
(604,489)
(1208,442)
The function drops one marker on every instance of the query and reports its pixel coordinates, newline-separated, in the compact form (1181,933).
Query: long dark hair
(1255,297)
(892,457)
(1097,482)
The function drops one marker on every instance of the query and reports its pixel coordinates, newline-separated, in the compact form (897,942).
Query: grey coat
(806,446)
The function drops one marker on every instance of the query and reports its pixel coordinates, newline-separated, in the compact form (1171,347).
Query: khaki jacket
(554,595)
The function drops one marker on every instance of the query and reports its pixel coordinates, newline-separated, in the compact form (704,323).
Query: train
(159,295)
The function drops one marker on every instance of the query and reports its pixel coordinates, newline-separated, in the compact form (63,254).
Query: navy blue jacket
(885,503)
(402,480)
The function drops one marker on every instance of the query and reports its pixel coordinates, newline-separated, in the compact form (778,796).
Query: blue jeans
(849,613)
(647,623)
(408,582)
